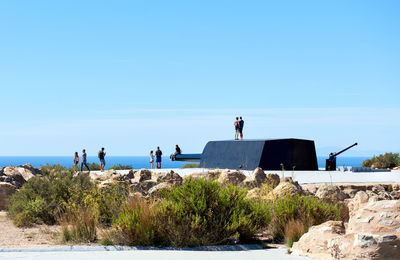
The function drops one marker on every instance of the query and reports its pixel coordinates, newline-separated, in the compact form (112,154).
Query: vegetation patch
(191,165)
(383,161)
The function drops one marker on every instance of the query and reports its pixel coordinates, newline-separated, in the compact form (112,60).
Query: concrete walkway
(261,254)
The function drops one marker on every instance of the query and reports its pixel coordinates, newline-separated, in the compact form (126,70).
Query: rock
(373,232)
(321,241)
(256,179)
(6,191)
(142,187)
(169,177)
(231,177)
(195,175)
(156,189)
(131,174)
(20,174)
(355,203)
(213,175)
(272,179)
(142,175)
(285,188)
(331,192)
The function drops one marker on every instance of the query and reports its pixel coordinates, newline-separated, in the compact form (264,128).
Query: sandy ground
(41,235)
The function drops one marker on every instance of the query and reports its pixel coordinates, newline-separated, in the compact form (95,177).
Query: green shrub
(121,167)
(79,223)
(135,225)
(52,169)
(309,210)
(383,161)
(42,199)
(203,212)
(93,167)
(191,165)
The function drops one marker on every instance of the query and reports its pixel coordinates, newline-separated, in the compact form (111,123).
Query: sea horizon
(139,162)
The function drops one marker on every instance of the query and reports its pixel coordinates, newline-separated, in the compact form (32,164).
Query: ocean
(137,162)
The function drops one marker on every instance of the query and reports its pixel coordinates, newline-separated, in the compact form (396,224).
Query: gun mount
(330,163)
(250,154)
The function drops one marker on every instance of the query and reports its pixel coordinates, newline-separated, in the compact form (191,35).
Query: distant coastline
(137,162)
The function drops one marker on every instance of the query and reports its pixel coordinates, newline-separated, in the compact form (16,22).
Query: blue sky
(131,75)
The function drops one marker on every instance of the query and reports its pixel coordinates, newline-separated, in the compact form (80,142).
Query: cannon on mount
(249,154)
(330,163)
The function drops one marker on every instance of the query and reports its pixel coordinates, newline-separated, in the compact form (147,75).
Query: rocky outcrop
(373,232)
(6,191)
(256,179)
(331,192)
(231,177)
(142,175)
(17,176)
(272,180)
(285,187)
(169,177)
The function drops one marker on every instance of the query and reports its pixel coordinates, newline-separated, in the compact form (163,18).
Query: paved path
(280,253)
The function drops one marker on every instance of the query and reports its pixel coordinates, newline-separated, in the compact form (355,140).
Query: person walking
(241,125)
(76,161)
(236,124)
(158,158)
(152,159)
(101,156)
(84,162)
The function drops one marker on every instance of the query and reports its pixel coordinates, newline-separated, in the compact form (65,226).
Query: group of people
(154,156)
(101,154)
(239,124)
(157,155)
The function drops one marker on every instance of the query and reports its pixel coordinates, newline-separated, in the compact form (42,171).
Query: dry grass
(294,229)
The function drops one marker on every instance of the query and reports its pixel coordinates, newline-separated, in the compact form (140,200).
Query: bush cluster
(121,167)
(383,161)
(199,212)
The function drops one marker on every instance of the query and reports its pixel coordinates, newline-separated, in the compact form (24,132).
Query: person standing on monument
(236,124)
(241,124)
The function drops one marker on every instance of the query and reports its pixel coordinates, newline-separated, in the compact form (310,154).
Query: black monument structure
(250,154)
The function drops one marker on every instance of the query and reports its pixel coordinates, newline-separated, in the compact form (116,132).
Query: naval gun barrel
(194,157)
(332,155)
(330,163)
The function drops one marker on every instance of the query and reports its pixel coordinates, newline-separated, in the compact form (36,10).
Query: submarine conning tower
(268,154)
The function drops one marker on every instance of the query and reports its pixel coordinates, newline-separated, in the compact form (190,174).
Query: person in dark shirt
(158,158)
(84,162)
(241,124)
(101,156)
(177,151)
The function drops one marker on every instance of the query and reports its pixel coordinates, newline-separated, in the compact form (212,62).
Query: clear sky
(131,75)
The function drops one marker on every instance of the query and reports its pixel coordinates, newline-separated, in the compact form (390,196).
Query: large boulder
(213,175)
(231,177)
(331,192)
(256,179)
(373,232)
(285,187)
(272,179)
(6,191)
(19,175)
(169,177)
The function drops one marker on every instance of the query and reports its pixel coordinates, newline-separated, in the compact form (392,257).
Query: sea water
(137,162)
